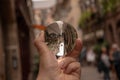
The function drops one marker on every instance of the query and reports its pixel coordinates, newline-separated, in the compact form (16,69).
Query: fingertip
(78,41)
(69,69)
(42,36)
(73,67)
(66,61)
(42,33)
(78,44)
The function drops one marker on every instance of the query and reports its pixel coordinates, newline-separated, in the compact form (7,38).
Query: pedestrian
(82,56)
(90,57)
(114,75)
(105,64)
(115,58)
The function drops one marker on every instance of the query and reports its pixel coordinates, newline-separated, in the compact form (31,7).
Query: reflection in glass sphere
(60,38)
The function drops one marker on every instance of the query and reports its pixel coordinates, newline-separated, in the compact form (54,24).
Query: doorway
(24,43)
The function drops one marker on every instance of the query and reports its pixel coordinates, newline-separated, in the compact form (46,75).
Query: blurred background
(97,23)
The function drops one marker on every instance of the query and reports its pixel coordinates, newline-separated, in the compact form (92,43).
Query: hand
(67,68)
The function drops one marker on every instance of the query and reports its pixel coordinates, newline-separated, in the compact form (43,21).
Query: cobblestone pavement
(90,73)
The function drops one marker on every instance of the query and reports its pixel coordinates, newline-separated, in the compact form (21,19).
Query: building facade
(2,57)
(15,40)
(102,21)
(68,11)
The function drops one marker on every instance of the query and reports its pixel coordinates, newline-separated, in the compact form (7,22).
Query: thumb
(47,58)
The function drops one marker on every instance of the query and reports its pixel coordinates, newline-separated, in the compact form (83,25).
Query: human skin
(64,68)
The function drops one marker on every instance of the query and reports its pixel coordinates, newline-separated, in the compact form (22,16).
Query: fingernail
(42,32)
(79,39)
(37,35)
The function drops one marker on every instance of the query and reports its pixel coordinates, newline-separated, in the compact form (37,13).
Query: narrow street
(96,23)
(90,73)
